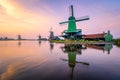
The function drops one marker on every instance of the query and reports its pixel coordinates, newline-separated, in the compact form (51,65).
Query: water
(33,60)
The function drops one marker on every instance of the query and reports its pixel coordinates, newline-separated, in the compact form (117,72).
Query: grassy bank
(76,41)
(117,42)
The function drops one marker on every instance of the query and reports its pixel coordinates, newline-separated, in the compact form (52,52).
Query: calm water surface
(33,60)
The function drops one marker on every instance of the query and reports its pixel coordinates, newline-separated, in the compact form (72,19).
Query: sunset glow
(33,17)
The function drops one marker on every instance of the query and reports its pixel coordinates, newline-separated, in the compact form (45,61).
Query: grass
(117,42)
(82,41)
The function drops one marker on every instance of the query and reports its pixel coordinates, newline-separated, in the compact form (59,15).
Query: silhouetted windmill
(39,37)
(51,36)
(72,32)
(19,37)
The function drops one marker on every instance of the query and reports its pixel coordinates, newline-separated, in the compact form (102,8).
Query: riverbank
(80,42)
(117,42)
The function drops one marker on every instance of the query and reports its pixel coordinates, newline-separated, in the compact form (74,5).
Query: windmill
(72,32)
(51,36)
(39,37)
(19,37)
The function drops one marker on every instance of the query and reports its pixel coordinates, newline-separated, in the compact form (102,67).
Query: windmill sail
(83,18)
(64,22)
(72,12)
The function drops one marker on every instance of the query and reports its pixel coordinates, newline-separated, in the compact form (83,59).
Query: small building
(107,37)
(99,36)
(1,38)
(6,38)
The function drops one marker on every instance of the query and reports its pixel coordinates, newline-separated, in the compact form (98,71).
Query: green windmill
(72,32)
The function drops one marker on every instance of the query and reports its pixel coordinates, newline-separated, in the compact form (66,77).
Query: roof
(100,35)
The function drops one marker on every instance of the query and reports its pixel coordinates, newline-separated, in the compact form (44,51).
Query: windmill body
(19,37)
(51,36)
(72,32)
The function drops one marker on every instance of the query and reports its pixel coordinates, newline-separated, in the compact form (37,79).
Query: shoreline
(81,42)
(68,41)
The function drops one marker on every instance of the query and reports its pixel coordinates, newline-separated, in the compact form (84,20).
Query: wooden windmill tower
(19,37)
(51,36)
(72,32)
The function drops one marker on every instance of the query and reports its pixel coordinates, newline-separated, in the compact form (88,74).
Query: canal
(34,60)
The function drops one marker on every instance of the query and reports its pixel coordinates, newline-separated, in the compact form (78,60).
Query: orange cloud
(17,19)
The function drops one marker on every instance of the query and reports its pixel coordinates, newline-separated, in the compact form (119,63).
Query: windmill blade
(71,10)
(64,22)
(84,63)
(64,59)
(83,18)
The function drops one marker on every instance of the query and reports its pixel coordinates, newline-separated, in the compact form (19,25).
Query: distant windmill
(19,37)
(51,36)
(72,32)
(39,37)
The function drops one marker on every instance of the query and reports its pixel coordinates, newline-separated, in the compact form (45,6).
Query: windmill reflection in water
(76,49)
(73,50)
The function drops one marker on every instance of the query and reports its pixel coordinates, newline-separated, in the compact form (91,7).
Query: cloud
(10,8)
(18,17)
(37,16)
(20,10)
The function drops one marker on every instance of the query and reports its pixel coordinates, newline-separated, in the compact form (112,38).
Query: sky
(31,18)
